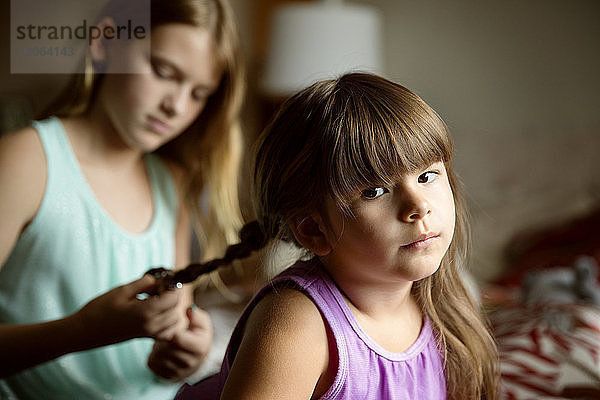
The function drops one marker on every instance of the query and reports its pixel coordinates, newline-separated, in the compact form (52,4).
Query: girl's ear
(98,45)
(310,233)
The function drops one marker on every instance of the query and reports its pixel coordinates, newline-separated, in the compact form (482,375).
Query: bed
(545,313)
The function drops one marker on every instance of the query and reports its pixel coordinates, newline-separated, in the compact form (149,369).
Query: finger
(164,302)
(193,342)
(163,368)
(197,338)
(146,284)
(165,325)
(177,358)
(171,363)
(167,334)
(199,320)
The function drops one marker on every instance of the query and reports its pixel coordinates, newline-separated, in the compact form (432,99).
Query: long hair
(210,149)
(343,134)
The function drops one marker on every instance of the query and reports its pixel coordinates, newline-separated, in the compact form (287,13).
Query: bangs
(379,135)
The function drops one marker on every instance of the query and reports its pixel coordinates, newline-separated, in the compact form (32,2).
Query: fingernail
(193,307)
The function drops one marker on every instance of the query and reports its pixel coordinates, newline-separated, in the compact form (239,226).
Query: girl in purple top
(357,171)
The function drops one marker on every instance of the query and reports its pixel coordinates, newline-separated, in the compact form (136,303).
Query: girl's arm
(113,317)
(284,351)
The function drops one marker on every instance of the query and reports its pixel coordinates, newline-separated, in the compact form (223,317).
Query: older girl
(94,197)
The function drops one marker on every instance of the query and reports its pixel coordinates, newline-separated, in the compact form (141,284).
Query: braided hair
(252,238)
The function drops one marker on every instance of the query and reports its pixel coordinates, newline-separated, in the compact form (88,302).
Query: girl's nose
(174,103)
(414,207)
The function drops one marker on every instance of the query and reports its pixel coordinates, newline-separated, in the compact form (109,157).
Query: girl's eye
(373,193)
(200,97)
(162,71)
(428,177)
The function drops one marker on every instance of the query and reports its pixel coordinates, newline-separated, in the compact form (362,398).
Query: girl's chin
(423,271)
(146,144)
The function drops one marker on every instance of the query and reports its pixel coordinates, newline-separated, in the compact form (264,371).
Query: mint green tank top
(69,254)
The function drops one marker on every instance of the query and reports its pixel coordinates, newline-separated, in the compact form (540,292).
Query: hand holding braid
(252,239)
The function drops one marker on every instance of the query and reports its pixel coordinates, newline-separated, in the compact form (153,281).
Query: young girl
(92,200)
(357,171)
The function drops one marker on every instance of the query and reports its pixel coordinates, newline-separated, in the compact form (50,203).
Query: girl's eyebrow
(179,72)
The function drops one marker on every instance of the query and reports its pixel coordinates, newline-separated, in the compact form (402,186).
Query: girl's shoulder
(289,319)
(23,163)
(284,344)
(285,298)
(24,140)
(23,174)
(284,305)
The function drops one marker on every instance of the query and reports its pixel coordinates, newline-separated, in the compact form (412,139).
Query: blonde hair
(210,149)
(340,135)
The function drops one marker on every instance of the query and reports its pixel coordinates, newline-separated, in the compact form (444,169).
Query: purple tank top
(365,369)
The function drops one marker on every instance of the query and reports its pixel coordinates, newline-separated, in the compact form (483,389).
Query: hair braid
(252,238)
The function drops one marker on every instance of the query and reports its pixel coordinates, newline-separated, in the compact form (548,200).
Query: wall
(518,84)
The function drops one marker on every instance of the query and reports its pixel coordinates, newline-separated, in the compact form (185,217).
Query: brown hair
(343,134)
(210,149)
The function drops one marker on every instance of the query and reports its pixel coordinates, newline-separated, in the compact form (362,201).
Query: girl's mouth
(158,126)
(422,241)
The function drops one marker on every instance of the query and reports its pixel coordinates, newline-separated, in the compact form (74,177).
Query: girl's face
(397,233)
(180,73)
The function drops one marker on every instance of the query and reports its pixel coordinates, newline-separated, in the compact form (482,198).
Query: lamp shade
(313,41)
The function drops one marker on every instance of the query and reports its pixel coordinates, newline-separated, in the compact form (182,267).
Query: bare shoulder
(21,143)
(287,311)
(23,168)
(284,350)
(23,175)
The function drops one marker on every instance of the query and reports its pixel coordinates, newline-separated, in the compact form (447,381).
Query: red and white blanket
(549,352)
